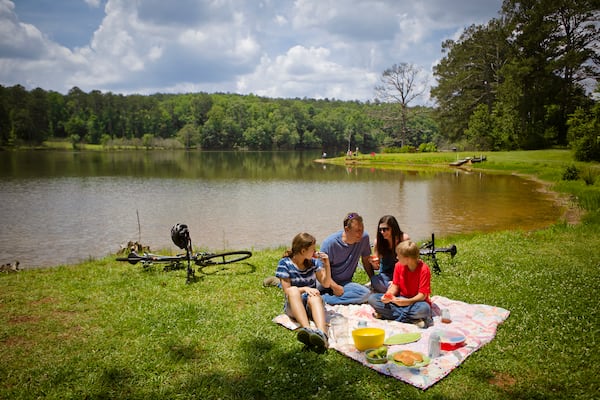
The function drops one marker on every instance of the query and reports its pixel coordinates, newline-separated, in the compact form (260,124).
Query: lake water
(63,207)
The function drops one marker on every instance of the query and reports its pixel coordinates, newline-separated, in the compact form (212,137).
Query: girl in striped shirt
(299,270)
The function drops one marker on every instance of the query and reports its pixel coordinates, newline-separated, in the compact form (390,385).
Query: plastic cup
(374,261)
(446,319)
(339,330)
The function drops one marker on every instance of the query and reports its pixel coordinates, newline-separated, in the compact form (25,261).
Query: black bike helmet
(180,235)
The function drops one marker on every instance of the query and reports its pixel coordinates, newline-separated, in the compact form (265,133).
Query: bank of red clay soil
(571,212)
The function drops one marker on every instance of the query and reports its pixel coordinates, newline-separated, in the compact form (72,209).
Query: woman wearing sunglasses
(389,235)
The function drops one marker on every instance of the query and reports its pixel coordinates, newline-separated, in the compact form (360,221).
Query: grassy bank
(545,164)
(103,329)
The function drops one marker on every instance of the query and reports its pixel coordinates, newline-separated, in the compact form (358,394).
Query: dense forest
(198,120)
(525,80)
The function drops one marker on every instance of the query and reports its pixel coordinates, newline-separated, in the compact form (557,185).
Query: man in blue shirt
(345,248)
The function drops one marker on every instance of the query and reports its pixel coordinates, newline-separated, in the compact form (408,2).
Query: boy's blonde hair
(407,249)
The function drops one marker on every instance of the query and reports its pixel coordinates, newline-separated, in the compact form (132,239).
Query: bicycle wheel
(222,258)
(218,264)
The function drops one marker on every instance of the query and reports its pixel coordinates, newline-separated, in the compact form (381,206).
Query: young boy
(407,297)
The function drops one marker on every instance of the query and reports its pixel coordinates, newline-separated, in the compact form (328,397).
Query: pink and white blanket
(477,322)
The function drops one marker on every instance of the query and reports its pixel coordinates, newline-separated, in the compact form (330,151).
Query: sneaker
(318,339)
(420,323)
(303,336)
(271,281)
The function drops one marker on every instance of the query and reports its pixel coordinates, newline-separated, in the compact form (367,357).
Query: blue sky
(276,48)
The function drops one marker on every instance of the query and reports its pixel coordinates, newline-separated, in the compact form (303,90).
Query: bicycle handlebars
(429,249)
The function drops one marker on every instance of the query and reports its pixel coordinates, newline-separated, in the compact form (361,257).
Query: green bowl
(376,360)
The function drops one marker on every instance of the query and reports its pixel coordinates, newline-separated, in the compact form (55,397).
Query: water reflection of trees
(210,165)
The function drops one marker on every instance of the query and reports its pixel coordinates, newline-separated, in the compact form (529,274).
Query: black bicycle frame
(428,249)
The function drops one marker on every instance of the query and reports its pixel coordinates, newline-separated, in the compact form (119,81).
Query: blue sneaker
(428,322)
(318,339)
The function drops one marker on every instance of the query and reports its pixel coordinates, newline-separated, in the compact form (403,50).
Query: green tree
(4,117)
(57,115)
(38,112)
(310,140)
(469,75)
(113,115)
(95,124)
(77,114)
(529,68)
(584,133)
(212,128)
(479,133)
(21,127)
(76,126)
(556,43)
(286,137)
(507,124)
(258,136)
(188,136)
(147,140)
(201,104)
(75,140)
(94,129)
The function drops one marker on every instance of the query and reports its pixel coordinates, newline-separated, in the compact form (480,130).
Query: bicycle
(181,238)
(428,249)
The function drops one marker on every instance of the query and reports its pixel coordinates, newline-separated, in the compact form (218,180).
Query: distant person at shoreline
(388,236)
(298,271)
(345,248)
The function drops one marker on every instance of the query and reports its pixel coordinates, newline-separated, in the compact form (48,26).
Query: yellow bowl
(368,338)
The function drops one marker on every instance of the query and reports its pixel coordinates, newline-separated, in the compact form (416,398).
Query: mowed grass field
(106,329)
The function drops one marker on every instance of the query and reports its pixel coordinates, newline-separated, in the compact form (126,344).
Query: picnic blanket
(477,322)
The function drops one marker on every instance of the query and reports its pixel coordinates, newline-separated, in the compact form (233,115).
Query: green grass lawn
(104,329)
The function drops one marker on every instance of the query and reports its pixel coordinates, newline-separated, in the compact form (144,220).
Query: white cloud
(245,48)
(284,48)
(93,3)
(19,40)
(280,20)
(290,74)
